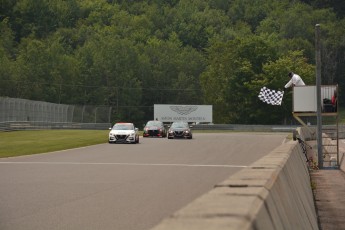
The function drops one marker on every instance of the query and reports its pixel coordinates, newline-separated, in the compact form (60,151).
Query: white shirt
(295,80)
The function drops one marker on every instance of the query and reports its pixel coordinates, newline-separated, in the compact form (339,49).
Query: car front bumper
(152,133)
(122,139)
(179,134)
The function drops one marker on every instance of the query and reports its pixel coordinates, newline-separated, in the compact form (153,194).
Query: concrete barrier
(272,193)
(247,128)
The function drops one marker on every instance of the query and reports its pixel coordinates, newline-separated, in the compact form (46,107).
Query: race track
(121,186)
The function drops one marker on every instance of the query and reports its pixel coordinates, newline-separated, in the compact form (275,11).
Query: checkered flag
(271,97)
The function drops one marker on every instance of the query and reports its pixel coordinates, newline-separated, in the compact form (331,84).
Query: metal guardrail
(27,125)
(249,128)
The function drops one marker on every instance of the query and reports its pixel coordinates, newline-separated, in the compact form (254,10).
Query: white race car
(124,133)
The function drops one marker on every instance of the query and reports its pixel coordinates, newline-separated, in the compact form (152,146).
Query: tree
(274,76)
(196,23)
(7,51)
(252,12)
(133,54)
(232,67)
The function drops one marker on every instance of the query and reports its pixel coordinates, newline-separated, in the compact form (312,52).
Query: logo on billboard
(183,110)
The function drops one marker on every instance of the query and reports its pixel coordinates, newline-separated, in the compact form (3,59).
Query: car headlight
(132,134)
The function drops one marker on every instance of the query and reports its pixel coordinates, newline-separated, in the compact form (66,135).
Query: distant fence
(35,125)
(22,114)
(18,113)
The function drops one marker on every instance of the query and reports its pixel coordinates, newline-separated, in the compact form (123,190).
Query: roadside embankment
(272,193)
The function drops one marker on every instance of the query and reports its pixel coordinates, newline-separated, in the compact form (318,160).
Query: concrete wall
(272,193)
(247,128)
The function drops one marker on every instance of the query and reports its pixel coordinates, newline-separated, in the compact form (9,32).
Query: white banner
(189,113)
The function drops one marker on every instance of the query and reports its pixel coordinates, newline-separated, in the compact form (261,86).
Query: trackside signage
(189,113)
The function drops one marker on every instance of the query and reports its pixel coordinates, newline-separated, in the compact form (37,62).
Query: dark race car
(180,129)
(154,129)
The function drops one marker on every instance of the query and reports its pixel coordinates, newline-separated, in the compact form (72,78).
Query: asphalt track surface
(121,186)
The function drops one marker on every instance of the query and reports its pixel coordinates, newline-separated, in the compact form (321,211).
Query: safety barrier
(35,125)
(246,128)
(272,193)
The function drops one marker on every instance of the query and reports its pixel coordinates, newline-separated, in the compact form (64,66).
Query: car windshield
(123,127)
(179,125)
(154,123)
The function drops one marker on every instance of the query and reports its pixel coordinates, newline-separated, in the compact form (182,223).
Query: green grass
(341,115)
(329,120)
(19,143)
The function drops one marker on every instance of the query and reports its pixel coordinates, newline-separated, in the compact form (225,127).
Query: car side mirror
(136,129)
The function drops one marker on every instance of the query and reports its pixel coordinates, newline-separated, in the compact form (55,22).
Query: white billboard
(305,100)
(189,113)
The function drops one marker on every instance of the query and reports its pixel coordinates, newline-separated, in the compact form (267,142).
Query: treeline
(133,54)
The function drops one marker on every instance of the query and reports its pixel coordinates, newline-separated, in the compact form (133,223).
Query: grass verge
(19,143)
(341,115)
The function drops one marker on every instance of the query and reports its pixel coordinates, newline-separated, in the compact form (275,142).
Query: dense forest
(133,54)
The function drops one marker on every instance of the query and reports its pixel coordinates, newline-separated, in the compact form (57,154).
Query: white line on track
(128,164)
